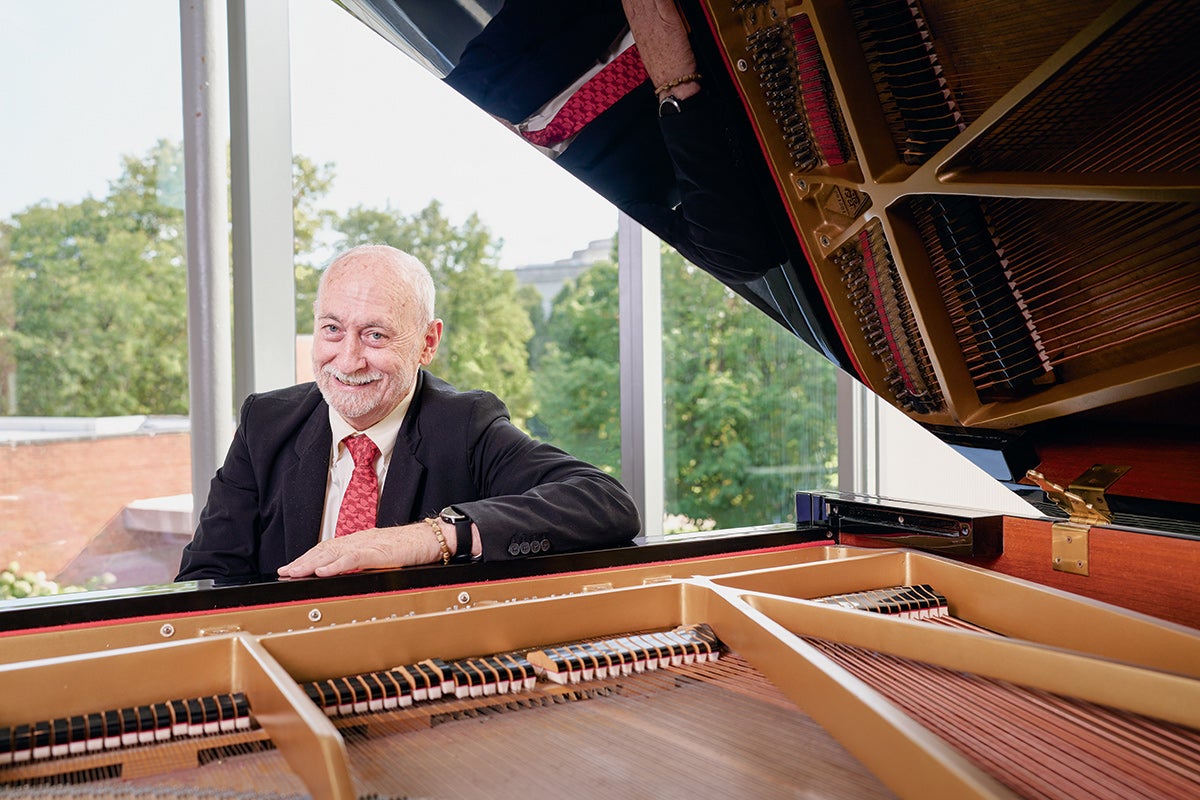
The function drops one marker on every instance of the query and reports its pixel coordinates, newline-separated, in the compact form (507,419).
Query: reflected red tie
(361,501)
(618,78)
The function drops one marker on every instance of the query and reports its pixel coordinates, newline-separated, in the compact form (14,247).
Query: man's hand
(375,548)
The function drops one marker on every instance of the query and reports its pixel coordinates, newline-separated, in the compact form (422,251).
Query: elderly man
(380,464)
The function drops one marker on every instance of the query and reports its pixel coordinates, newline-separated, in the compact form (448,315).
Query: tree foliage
(99,297)
(747,406)
(310,183)
(577,379)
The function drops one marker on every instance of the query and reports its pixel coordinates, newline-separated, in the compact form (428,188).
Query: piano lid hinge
(1085,504)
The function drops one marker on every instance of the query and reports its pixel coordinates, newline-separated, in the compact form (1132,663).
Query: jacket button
(514,549)
(545,545)
(524,548)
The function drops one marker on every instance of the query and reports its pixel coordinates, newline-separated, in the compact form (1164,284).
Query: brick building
(81,497)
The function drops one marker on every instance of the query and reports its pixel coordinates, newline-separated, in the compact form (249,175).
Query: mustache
(354,379)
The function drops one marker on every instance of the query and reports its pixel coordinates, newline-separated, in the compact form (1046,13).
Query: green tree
(93,305)
(99,297)
(310,183)
(748,408)
(577,375)
(8,319)
(487,322)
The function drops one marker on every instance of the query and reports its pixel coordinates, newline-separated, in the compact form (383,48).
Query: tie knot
(362,450)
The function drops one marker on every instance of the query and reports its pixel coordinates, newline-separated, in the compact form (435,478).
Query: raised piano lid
(991,218)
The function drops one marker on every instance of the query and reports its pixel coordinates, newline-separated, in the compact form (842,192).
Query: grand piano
(989,215)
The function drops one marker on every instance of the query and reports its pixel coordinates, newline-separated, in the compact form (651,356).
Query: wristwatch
(462,531)
(668,105)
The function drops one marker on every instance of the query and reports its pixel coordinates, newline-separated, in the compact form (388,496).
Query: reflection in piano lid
(991,219)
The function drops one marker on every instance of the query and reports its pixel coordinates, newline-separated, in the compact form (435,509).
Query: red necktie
(618,78)
(361,501)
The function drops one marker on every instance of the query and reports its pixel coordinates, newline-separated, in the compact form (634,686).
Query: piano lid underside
(1001,208)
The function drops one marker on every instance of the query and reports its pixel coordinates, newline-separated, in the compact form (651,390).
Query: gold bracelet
(695,76)
(437,531)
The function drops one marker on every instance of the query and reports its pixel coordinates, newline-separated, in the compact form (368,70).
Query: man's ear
(433,337)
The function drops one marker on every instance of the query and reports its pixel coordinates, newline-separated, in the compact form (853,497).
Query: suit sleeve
(226,540)
(538,498)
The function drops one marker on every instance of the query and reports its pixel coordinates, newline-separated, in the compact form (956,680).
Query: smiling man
(380,464)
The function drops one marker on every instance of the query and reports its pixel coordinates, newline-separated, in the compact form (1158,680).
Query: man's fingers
(370,549)
(315,562)
(362,550)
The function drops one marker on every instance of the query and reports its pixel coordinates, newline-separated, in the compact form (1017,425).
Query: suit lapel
(406,473)
(405,476)
(304,486)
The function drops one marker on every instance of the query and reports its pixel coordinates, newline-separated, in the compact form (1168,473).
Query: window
(93,344)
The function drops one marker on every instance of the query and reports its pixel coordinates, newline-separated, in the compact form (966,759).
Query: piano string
(1037,291)
(665,689)
(798,92)
(1067,749)
(1124,106)
(1036,743)
(40,749)
(918,100)
(1000,339)
(881,307)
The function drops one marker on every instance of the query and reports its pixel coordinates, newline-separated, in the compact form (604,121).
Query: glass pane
(93,327)
(575,356)
(751,411)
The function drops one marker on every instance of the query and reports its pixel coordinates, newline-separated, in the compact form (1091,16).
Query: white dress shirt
(341,463)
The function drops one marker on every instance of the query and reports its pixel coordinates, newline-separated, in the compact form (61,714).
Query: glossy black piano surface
(175,599)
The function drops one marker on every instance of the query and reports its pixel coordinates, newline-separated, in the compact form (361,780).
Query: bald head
(398,275)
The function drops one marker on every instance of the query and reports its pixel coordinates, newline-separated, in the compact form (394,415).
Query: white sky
(84,82)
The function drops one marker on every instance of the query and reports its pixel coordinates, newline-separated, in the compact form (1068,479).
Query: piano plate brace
(1084,502)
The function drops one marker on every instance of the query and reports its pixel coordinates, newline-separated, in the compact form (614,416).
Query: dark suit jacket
(454,448)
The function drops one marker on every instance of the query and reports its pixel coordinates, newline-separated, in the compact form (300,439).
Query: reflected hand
(375,548)
(662,42)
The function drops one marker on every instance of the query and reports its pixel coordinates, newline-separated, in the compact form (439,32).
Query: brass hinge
(1084,503)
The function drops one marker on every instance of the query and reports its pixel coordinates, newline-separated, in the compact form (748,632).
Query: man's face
(368,341)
